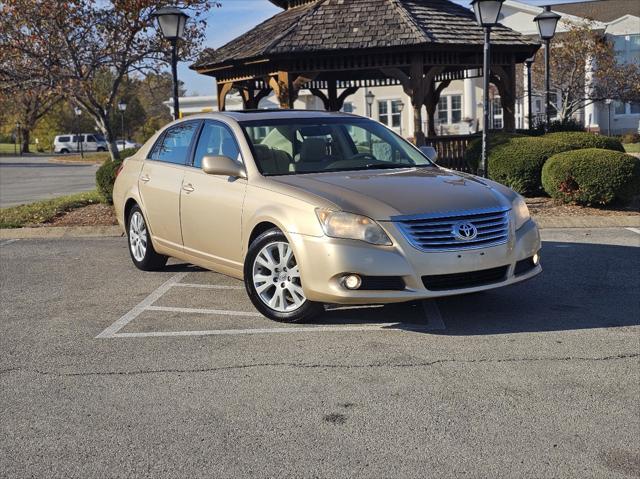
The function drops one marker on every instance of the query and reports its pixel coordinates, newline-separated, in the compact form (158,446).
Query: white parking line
(635,230)
(223,312)
(6,242)
(434,319)
(207,286)
(139,309)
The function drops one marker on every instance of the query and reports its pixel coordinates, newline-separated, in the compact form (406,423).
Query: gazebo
(334,47)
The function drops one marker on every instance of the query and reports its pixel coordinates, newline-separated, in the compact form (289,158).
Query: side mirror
(223,165)
(430,152)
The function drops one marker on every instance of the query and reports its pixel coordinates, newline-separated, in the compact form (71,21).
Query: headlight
(520,211)
(339,224)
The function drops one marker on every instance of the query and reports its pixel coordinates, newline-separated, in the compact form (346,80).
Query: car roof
(250,115)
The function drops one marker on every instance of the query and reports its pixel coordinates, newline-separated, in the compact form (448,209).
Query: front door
(211,211)
(160,182)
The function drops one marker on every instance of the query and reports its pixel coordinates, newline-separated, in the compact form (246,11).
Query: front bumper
(324,261)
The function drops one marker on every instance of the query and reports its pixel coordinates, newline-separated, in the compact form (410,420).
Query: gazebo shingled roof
(330,44)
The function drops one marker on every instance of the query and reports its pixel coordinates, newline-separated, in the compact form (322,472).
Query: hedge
(592,176)
(579,140)
(518,163)
(474,149)
(106,174)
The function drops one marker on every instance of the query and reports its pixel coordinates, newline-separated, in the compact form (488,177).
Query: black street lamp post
(122,106)
(487,14)
(608,102)
(528,62)
(172,21)
(78,112)
(547,22)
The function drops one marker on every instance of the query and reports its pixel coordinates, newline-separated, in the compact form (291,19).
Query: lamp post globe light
(547,22)
(172,21)
(369,97)
(122,106)
(487,14)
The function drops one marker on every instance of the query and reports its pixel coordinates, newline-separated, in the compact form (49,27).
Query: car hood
(382,194)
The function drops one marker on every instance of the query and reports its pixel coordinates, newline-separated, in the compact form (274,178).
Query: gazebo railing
(451,150)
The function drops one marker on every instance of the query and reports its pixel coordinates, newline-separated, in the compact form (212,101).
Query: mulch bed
(90,215)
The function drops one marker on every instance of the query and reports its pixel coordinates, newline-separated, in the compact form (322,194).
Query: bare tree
(572,53)
(84,49)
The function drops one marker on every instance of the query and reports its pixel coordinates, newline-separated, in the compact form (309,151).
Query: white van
(86,141)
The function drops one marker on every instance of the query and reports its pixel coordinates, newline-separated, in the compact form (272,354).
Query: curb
(544,222)
(621,221)
(61,232)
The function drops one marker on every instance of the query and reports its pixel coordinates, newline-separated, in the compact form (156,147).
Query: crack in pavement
(313,366)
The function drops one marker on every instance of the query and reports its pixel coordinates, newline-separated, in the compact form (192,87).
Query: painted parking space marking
(431,314)
(635,230)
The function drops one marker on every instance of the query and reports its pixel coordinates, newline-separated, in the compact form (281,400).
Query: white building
(459,110)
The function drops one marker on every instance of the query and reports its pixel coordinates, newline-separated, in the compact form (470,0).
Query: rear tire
(141,248)
(273,282)
(101,149)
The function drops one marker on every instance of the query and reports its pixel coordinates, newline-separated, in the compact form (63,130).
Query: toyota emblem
(465,231)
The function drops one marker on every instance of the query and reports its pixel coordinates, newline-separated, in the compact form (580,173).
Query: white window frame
(449,100)
(389,113)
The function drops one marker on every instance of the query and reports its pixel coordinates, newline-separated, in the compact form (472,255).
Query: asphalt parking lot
(106,371)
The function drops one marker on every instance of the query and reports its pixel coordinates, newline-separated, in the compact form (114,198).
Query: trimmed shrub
(579,140)
(518,163)
(630,138)
(106,177)
(592,176)
(474,149)
(106,174)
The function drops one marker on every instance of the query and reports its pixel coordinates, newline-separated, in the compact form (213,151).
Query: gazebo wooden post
(505,80)
(223,89)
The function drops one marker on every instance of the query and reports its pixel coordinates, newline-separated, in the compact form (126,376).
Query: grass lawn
(632,147)
(7,148)
(95,157)
(44,211)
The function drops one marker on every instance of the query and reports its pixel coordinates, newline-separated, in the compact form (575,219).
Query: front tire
(272,280)
(141,249)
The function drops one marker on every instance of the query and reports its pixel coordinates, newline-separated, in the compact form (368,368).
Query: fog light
(536,259)
(352,281)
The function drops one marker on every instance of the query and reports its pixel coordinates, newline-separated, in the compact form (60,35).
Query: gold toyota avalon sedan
(313,207)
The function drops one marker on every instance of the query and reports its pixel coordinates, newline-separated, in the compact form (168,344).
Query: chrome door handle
(188,188)
(144,178)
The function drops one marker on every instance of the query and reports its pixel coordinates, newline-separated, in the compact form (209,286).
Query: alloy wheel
(276,278)
(138,236)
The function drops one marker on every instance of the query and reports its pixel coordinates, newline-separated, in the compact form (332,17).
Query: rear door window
(90,138)
(175,145)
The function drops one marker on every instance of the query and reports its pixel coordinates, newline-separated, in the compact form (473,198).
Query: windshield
(295,146)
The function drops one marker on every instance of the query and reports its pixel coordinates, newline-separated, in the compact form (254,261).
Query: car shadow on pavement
(582,286)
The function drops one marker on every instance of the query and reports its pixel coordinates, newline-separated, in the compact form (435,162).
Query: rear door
(160,182)
(211,205)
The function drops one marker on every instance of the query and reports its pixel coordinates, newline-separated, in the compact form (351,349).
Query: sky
(237,17)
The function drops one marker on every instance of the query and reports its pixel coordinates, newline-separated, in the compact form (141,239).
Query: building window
(449,109)
(627,48)
(620,108)
(496,114)
(348,107)
(389,113)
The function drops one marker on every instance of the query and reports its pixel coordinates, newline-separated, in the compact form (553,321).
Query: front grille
(382,283)
(471,279)
(438,232)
